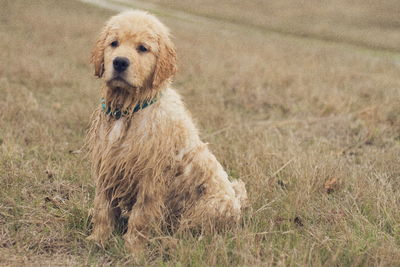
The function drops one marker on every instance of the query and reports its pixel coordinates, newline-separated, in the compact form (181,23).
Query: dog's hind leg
(213,212)
(216,200)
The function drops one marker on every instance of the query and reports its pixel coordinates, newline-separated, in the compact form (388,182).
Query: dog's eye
(114,44)
(142,48)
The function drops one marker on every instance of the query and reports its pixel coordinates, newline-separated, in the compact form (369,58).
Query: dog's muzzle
(120,64)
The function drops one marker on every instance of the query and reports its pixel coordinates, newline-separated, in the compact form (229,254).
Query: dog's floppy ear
(97,58)
(166,62)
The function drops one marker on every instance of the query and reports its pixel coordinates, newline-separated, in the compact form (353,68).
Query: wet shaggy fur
(151,166)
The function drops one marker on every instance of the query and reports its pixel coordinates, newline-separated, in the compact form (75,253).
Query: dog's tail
(240,192)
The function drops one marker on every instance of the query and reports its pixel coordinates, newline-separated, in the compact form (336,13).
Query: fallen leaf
(331,185)
(298,221)
(49,174)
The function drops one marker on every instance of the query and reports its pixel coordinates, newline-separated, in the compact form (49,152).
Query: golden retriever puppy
(148,161)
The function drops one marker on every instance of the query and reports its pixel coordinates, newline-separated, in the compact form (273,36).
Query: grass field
(361,22)
(312,127)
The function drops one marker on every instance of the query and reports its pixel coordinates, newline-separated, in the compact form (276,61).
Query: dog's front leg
(144,214)
(104,217)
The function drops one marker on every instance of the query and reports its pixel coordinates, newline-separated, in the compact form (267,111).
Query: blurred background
(368,23)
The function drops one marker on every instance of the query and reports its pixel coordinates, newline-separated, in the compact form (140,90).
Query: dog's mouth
(119,82)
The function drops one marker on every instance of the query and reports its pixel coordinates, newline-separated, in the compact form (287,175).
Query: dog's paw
(134,245)
(98,239)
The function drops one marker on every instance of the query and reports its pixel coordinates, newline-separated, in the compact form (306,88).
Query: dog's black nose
(121,63)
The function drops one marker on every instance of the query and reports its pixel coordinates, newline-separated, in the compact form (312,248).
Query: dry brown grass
(368,23)
(313,129)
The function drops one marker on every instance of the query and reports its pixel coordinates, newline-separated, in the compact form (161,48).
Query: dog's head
(133,52)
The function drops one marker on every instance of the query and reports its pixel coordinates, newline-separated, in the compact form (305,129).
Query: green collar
(118,113)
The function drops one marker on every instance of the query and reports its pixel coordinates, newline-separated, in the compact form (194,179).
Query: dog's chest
(117,137)
(122,132)
(116,131)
